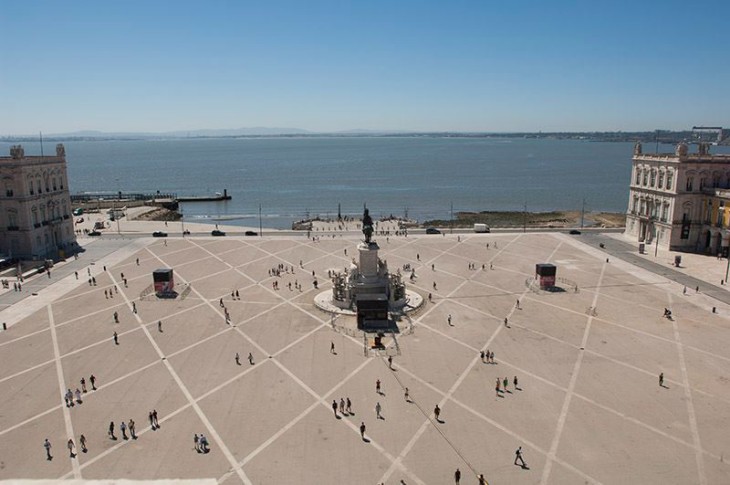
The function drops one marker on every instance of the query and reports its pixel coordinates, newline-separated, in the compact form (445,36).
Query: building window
(635,204)
(646,177)
(54,183)
(34,216)
(31,187)
(703,181)
(665,211)
(638,176)
(690,181)
(661,180)
(720,214)
(653,178)
(670,179)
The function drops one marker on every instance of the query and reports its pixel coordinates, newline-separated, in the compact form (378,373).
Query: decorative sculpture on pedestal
(367,226)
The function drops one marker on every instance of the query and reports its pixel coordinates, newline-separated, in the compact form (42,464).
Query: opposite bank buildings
(679,201)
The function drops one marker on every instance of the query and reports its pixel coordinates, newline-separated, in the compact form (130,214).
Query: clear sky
(392,65)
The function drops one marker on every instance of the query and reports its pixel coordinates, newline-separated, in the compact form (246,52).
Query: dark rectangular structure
(164,281)
(545,274)
(372,312)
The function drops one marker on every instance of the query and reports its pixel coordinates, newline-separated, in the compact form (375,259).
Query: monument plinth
(367,288)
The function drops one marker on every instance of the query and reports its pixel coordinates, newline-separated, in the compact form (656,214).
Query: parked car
(574,231)
(432,230)
(251,233)
(216,232)
(94,233)
(159,234)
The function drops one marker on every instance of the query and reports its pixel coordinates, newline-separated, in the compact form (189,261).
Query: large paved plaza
(589,408)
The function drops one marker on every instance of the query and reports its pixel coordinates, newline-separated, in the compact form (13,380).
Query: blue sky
(391,65)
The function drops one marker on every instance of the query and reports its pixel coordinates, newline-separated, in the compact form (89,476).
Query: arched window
(638,176)
(34,216)
(670,179)
(653,178)
(646,177)
(660,184)
(690,182)
(32,192)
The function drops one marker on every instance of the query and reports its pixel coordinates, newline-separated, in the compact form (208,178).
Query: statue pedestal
(368,260)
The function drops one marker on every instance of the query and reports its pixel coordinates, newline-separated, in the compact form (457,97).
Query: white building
(669,193)
(35,208)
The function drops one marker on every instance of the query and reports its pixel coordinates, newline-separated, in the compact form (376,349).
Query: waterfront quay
(588,407)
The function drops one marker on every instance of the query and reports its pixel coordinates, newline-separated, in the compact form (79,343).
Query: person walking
(152,421)
(195,441)
(661,379)
(518,456)
(70,444)
(92,379)
(482,480)
(362,430)
(82,442)
(504,384)
(481,355)
(159,326)
(47,446)
(111,431)
(83,385)
(238,359)
(378,408)
(407,395)
(154,418)
(437,412)
(496,388)
(116,339)
(334,406)
(332,347)
(390,362)
(377,386)
(515,383)
(457,476)
(250,358)
(123,429)
(449,318)
(348,407)
(132,430)
(78,396)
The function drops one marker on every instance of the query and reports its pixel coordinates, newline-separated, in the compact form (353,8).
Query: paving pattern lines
(62,390)
(523,371)
(453,388)
(571,388)
(203,418)
(297,380)
(634,329)
(690,404)
(523,439)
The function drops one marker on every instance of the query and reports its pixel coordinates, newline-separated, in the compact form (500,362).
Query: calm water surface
(293,177)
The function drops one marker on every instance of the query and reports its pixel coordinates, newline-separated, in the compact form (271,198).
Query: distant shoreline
(659,136)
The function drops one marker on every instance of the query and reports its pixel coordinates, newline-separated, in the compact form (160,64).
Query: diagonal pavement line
(635,330)
(203,418)
(564,389)
(62,388)
(571,389)
(497,425)
(50,410)
(690,404)
(294,421)
(458,381)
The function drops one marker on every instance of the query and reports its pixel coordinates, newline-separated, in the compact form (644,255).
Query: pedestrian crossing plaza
(258,371)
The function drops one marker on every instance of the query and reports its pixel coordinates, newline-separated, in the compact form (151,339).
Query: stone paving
(588,408)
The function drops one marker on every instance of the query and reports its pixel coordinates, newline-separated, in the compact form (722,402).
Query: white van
(481,228)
